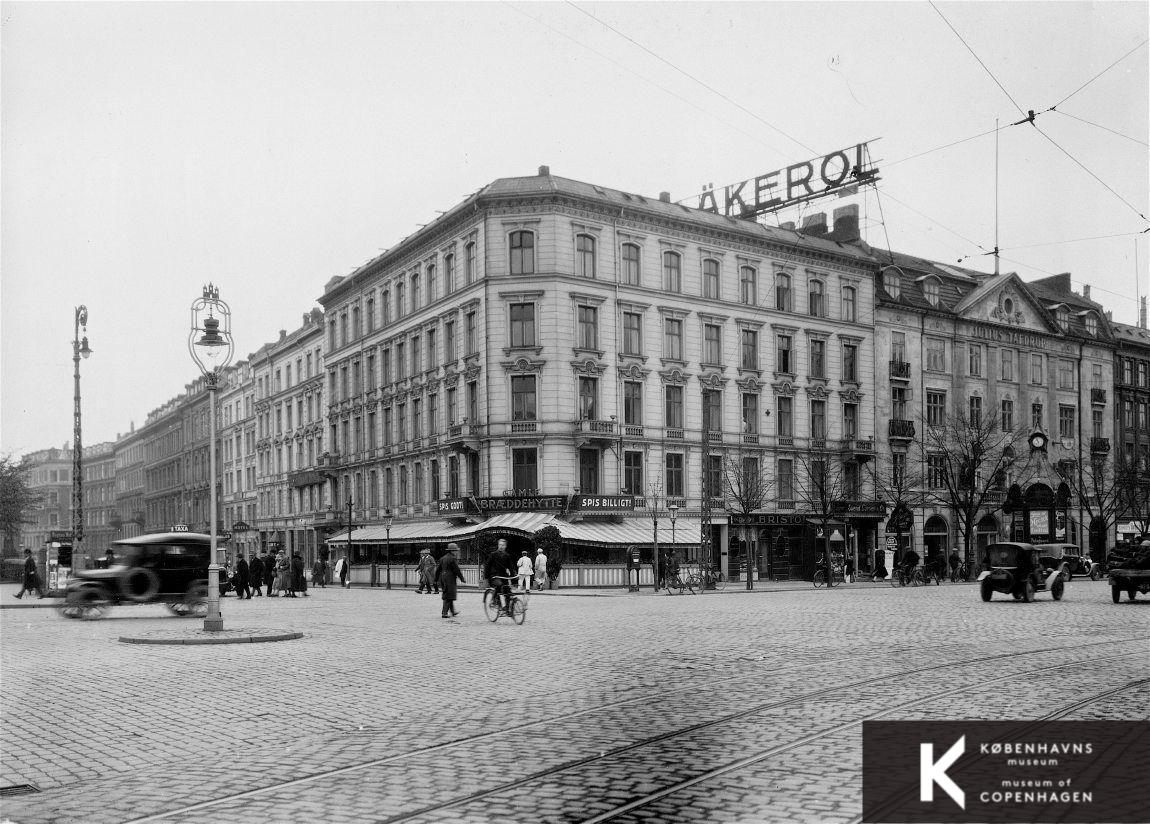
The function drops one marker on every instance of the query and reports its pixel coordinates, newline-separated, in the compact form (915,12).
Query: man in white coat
(540,569)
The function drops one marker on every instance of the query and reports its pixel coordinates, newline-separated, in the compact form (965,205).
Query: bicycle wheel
(694,583)
(518,610)
(820,578)
(895,578)
(916,579)
(719,580)
(490,605)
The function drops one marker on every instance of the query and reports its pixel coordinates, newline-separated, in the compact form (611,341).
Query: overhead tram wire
(1100,126)
(1095,77)
(1096,177)
(657,85)
(979,59)
(687,74)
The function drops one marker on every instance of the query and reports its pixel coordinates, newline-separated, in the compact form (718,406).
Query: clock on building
(1038,441)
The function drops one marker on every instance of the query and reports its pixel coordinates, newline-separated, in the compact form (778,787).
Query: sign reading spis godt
(795,184)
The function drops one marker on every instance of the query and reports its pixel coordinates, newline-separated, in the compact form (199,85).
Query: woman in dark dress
(448,573)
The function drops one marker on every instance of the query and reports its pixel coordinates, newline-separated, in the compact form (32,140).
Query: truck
(1128,580)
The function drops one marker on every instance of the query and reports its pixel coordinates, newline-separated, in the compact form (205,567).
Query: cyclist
(909,564)
(670,569)
(955,563)
(497,570)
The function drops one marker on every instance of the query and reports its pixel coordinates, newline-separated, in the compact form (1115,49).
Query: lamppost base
(214,624)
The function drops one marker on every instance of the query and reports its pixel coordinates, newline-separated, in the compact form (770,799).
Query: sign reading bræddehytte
(608,502)
(522,503)
(795,184)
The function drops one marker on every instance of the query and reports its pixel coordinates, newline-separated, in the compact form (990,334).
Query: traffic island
(200,636)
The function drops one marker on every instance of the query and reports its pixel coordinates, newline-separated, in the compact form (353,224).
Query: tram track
(494,736)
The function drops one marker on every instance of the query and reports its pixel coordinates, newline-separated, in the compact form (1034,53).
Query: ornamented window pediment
(674,376)
(751,383)
(851,395)
(711,380)
(785,388)
(633,372)
(588,366)
(472,371)
(817,392)
(523,365)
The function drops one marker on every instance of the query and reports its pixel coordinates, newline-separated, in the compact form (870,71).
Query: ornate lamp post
(655,537)
(672,508)
(387,528)
(211,348)
(79,349)
(350,526)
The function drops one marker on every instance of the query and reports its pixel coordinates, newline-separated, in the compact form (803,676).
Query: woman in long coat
(283,574)
(448,573)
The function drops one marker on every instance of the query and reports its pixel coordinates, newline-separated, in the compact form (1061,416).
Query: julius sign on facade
(795,184)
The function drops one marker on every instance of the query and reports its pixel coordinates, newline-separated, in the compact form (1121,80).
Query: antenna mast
(996,195)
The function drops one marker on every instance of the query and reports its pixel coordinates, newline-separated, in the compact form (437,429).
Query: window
(975,359)
(819,420)
(370,317)
(633,473)
(936,354)
(1007,415)
(632,333)
(431,283)
(712,344)
(631,264)
(432,355)
(1097,420)
(816,305)
(850,420)
(1063,318)
(589,471)
(585,256)
(1065,374)
(588,398)
(898,468)
(749,349)
(818,358)
(469,331)
(343,334)
(748,285)
(1036,416)
(525,468)
(400,297)
(850,362)
(975,406)
(452,406)
(1006,359)
(415,292)
(448,274)
(710,278)
(1066,421)
(1091,321)
(786,479)
(632,403)
(673,339)
(784,301)
(850,304)
(712,410)
(1036,369)
(449,341)
(415,363)
(385,307)
(673,407)
(750,413)
(522,253)
(673,463)
(785,362)
(523,397)
(898,400)
(892,283)
(672,272)
(898,347)
(588,327)
(785,418)
(930,290)
(469,270)
(1096,370)
(935,471)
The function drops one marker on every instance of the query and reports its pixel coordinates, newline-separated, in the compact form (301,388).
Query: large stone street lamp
(210,343)
(79,349)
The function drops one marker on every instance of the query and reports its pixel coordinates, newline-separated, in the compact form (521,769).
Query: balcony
(524,427)
(633,430)
(328,460)
(675,434)
(1098,396)
(898,428)
(857,449)
(1099,446)
(899,370)
(588,426)
(305,477)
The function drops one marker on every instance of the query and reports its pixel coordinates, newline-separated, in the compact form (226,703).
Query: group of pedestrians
(281,574)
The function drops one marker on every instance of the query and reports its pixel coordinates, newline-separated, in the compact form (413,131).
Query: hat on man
(525,552)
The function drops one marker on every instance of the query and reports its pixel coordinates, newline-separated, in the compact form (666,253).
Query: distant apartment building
(236,457)
(48,474)
(130,519)
(99,490)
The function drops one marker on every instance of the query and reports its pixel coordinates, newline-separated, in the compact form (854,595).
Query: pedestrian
(31,576)
(341,571)
(283,575)
(448,573)
(540,569)
(256,576)
(525,569)
(109,558)
(269,570)
(298,584)
(427,576)
(317,573)
(242,577)
(955,563)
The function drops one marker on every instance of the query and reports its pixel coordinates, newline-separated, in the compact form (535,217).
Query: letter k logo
(933,772)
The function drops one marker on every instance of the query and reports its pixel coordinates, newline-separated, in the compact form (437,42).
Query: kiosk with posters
(57,562)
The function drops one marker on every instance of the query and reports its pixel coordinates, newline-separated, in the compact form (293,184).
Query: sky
(149,148)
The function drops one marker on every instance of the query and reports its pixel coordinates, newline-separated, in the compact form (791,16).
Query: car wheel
(986,590)
(1095,575)
(195,601)
(92,604)
(178,608)
(1116,593)
(1028,591)
(1067,575)
(1056,590)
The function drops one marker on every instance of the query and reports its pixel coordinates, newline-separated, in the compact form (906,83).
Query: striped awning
(639,531)
(443,532)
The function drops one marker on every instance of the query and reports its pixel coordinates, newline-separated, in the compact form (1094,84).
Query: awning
(639,531)
(443,532)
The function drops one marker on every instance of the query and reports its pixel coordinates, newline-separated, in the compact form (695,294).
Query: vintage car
(1016,569)
(163,567)
(1066,558)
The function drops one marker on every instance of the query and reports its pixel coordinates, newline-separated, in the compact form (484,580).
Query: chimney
(544,171)
(283,334)
(1110,315)
(665,197)
(1142,314)
(1086,291)
(815,225)
(846,227)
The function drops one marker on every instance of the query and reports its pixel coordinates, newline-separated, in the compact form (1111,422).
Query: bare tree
(746,482)
(822,480)
(898,481)
(969,461)
(17,502)
(1134,492)
(1101,486)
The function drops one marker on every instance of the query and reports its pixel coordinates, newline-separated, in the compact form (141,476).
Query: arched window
(783,300)
(585,256)
(816,305)
(892,283)
(748,285)
(431,285)
(850,304)
(631,264)
(930,290)
(522,253)
(710,278)
(672,272)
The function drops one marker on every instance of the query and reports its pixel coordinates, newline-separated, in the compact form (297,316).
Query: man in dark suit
(242,574)
(255,576)
(497,571)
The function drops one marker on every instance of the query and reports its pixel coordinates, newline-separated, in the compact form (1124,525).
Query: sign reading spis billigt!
(795,184)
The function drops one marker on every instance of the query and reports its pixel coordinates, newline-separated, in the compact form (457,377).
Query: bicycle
(837,577)
(674,584)
(960,572)
(494,609)
(710,578)
(902,578)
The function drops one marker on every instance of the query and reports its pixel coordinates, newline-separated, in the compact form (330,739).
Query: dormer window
(1091,321)
(930,290)
(1063,316)
(891,283)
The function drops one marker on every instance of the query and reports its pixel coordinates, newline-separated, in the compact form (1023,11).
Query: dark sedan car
(1067,558)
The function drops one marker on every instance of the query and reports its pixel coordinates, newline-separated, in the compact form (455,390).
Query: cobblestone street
(726,707)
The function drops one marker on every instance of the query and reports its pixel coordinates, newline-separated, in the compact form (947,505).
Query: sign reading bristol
(795,184)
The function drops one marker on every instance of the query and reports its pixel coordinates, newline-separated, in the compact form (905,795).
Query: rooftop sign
(795,184)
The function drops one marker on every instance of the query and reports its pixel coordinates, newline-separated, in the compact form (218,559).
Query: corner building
(548,351)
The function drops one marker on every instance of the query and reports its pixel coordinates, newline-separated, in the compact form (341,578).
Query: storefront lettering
(522,504)
(448,505)
(768,519)
(606,502)
(1014,337)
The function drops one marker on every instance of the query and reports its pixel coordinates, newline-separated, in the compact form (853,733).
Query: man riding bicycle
(909,563)
(497,570)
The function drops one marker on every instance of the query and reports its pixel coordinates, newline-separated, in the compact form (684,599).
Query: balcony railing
(675,434)
(900,369)
(524,427)
(1099,446)
(633,430)
(897,428)
(1098,396)
(594,427)
(858,445)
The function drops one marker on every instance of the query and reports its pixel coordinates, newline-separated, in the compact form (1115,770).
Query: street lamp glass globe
(85,351)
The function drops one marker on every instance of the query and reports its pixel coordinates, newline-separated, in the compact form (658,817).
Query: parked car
(1066,557)
(164,567)
(1017,569)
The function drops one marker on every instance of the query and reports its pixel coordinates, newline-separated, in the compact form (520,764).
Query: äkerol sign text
(610,502)
(795,184)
